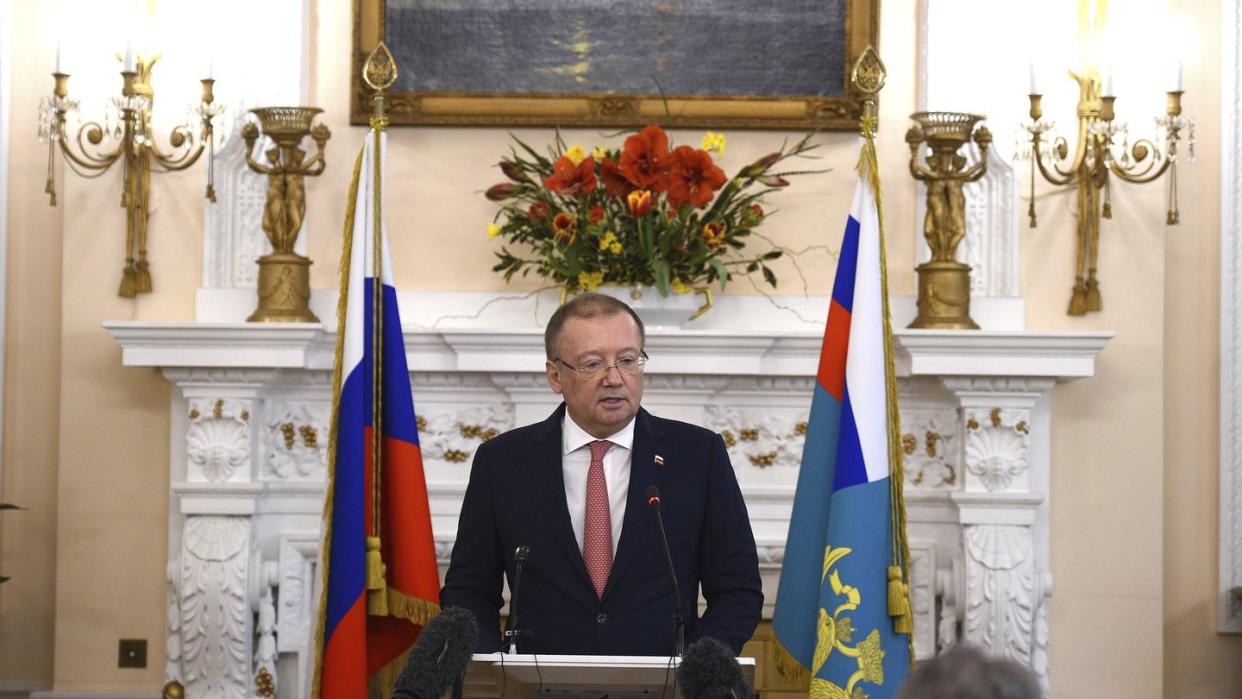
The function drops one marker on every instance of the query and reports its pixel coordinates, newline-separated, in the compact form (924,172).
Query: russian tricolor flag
(832,621)
(359,649)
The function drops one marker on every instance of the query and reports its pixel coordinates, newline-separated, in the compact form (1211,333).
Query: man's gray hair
(588,305)
(966,672)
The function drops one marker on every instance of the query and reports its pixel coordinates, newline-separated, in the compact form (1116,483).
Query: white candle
(1034,84)
(1108,83)
(128,64)
(58,57)
(1177,77)
(211,68)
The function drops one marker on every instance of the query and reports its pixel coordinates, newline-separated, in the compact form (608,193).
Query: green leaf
(769,277)
(771,254)
(3,579)
(9,506)
(721,272)
(752,267)
(660,267)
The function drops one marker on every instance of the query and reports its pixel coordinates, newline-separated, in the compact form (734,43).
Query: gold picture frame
(456,107)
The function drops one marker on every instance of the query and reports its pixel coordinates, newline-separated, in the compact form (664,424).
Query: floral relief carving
(931,444)
(454,436)
(218,438)
(996,446)
(1001,594)
(214,613)
(296,440)
(760,439)
(923,599)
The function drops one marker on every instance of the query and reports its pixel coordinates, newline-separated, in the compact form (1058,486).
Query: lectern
(493,675)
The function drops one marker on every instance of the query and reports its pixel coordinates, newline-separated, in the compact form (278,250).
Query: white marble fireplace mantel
(250,414)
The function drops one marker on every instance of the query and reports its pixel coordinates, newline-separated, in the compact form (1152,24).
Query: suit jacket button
(602,618)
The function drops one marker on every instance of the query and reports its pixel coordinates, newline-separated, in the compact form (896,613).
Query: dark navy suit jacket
(516,496)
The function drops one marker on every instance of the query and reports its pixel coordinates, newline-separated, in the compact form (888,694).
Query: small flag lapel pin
(659,460)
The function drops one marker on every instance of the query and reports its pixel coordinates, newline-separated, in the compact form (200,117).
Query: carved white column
(1007,578)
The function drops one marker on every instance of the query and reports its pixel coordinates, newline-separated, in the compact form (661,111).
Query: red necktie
(597,528)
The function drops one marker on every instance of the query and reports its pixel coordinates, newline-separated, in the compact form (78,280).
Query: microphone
(439,656)
(679,621)
(520,555)
(710,671)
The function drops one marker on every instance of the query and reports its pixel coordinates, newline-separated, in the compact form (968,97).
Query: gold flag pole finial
(867,78)
(379,73)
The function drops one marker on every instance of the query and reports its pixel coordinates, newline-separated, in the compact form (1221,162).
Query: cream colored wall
(86,442)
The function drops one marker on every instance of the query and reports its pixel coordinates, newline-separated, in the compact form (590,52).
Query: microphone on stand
(709,670)
(440,655)
(512,631)
(679,620)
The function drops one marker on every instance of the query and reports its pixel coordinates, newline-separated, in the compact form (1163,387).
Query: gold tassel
(128,288)
(1093,295)
(899,602)
(788,666)
(414,609)
(377,586)
(142,277)
(1078,302)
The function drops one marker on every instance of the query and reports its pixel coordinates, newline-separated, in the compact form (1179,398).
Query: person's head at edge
(966,672)
(595,328)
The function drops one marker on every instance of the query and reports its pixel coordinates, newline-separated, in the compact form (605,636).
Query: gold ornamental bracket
(130,140)
(1103,151)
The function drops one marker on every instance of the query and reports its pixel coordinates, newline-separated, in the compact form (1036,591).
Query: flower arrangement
(645,214)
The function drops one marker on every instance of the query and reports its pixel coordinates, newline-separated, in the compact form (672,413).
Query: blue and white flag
(843,571)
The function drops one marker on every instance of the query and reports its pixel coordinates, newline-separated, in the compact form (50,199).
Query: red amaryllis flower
(615,184)
(571,179)
(645,159)
(596,213)
(500,192)
(639,201)
(713,234)
(693,178)
(565,228)
(539,211)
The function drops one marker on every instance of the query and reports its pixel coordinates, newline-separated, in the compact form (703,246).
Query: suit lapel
(547,474)
(644,472)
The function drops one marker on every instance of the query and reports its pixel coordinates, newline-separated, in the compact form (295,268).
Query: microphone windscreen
(439,656)
(710,671)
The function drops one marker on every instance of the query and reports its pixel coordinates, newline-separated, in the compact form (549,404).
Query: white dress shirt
(576,459)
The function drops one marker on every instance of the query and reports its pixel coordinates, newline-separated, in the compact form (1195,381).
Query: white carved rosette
(996,449)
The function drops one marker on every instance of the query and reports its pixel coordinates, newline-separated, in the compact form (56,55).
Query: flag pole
(868,78)
(379,72)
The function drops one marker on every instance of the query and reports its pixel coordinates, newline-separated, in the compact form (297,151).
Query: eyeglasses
(596,368)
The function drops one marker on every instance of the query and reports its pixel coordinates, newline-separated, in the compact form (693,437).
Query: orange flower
(693,178)
(640,202)
(565,228)
(645,159)
(615,184)
(570,179)
(596,213)
(713,234)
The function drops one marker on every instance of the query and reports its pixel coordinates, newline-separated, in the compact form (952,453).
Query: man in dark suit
(574,489)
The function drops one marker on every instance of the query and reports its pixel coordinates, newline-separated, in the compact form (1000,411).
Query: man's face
(604,404)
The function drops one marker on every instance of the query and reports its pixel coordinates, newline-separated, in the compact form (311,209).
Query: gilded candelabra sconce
(284,275)
(131,141)
(1097,158)
(944,283)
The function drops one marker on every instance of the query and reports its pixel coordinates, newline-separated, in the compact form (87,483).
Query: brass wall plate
(132,653)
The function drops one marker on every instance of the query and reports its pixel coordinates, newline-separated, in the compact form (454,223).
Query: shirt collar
(574,437)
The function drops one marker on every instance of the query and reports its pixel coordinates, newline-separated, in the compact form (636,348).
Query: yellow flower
(590,280)
(492,230)
(615,248)
(681,287)
(575,154)
(608,241)
(599,153)
(713,141)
